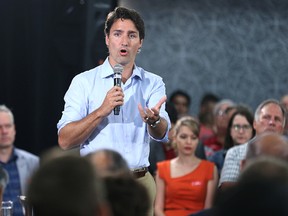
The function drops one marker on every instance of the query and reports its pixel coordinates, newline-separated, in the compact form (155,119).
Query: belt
(138,173)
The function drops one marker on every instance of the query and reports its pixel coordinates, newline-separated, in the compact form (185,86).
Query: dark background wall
(43,45)
(237,49)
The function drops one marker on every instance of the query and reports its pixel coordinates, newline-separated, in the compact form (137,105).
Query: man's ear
(242,164)
(107,40)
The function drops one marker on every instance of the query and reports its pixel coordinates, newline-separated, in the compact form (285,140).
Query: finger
(141,111)
(118,95)
(149,112)
(161,101)
(119,102)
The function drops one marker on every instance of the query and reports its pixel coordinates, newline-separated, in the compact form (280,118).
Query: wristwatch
(154,124)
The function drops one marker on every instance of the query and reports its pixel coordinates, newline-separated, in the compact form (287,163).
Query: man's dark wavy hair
(125,14)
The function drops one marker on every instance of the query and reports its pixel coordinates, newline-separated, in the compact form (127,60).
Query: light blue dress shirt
(125,133)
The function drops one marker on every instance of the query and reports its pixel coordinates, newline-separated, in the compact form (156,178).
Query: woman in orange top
(185,184)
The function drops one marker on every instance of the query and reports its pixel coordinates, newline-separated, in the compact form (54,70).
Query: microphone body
(118,69)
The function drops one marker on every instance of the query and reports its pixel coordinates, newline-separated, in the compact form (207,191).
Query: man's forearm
(75,133)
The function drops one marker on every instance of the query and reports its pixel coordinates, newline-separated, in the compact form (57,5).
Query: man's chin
(5,146)
(271,130)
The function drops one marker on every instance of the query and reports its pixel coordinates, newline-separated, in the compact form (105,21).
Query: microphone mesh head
(118,69)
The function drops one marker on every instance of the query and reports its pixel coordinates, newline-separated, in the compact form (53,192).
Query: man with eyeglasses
(269,116)
(222,112)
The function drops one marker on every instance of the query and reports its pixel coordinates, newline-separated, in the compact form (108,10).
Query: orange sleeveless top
(186,194)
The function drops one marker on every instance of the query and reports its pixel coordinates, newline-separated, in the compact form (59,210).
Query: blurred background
(236,49)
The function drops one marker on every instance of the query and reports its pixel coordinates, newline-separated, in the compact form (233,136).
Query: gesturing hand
(151,115)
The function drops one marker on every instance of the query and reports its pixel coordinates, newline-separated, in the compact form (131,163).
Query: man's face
(270,119)
(222,117)
(7,130)
(123,42)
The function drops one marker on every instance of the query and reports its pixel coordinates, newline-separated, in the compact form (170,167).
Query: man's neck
(5,153)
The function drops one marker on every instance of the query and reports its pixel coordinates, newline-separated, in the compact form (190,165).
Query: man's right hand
(114,97)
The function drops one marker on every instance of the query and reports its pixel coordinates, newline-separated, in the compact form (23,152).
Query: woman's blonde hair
(189,122)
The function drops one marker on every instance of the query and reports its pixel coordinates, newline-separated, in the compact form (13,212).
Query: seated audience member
(181,101)
(108,162)
(271,150)
(222,113)
(160,151)
(67,186)
(185,184)
(269,116)
(19,164)
(239,131)
(267,144)
(206,117)
(262,189)
(126,196)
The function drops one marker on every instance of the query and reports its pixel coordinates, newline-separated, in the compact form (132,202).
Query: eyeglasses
(238,127)
(221,113)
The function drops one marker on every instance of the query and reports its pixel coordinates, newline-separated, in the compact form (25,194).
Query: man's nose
(271,121)
(3,129)
(124,41)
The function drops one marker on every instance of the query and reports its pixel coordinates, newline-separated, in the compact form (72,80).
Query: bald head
(270,144)
(109,163)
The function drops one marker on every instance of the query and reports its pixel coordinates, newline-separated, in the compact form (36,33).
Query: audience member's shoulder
(24,153)
(163,163)
(237,148)
(207,163)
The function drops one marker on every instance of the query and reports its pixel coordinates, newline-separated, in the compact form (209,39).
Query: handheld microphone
(118,69)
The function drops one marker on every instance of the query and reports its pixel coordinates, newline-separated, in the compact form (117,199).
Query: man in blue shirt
(88,120)
(18,163)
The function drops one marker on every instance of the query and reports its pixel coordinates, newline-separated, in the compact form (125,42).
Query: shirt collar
(13,157)
(107,70)
(137,72)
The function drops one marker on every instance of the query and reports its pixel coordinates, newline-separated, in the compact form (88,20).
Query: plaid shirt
(231,167)
(13,188)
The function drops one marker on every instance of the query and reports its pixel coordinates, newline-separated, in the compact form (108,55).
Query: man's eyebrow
(132,31)
(117,30)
